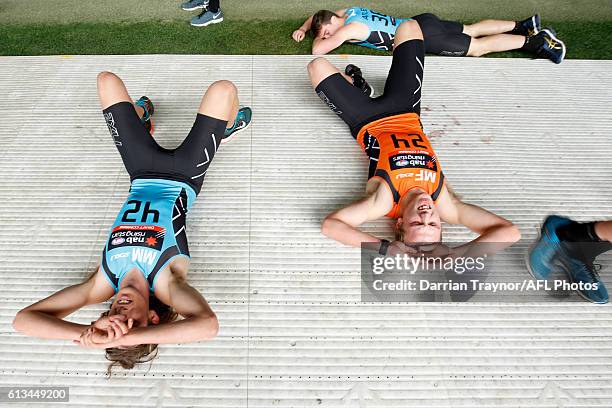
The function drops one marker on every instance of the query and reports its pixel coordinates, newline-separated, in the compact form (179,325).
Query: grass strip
(584,40)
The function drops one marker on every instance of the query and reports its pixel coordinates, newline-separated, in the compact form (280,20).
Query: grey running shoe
(207,18)
(194,5)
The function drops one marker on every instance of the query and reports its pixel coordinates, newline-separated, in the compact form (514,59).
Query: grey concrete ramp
(522,138)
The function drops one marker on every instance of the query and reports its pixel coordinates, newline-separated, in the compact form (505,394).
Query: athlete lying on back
(405,179)
(362,26)
(146,257)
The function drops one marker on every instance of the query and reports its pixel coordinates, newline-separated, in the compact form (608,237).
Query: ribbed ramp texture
(523,138)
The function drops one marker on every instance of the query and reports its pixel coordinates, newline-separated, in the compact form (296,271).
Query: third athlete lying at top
(368,28)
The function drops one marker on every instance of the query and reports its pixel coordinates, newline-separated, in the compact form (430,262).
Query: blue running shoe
(242,121)
(582,272)
(544,252)
(207,18)
(194,5)
(551,46)
(146,104)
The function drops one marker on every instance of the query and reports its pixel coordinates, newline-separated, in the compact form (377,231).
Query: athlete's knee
(223,86)
(106,77)
(317,65)
(409,30)
(212,329)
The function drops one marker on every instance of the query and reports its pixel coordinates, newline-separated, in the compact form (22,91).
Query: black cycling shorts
(443,37)
(144,158)
(402,93)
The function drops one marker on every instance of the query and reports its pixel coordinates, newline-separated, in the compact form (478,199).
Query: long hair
(318,19)
(141,353)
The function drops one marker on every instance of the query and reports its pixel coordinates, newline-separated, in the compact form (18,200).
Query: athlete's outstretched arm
(490,227)
(44,319)
(200,322)
(299,34)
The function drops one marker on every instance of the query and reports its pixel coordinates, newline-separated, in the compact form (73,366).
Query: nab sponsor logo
(118,241)
(120,255)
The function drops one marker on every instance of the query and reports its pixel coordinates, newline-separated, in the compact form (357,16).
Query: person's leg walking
(212,14)
(213,6)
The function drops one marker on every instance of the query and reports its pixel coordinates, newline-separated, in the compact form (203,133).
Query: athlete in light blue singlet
(149,231)
(146,257)
(372,29)
(382,27)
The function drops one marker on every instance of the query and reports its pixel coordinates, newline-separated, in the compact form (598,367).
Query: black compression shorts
(144,158)
(443,37)
(402,93)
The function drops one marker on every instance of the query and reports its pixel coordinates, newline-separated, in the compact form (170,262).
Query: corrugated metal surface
(522,138)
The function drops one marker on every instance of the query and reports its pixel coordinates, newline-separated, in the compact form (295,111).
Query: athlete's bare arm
(490,227)
(299,34)
(349,32)
(342,225)
(44,319)
(199,323)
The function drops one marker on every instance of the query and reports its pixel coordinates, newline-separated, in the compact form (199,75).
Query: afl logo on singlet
(118,241)
(401,163)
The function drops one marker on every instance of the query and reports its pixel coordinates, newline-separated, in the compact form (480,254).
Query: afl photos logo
(110,122)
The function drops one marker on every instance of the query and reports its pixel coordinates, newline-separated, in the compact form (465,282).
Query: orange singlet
(402,156)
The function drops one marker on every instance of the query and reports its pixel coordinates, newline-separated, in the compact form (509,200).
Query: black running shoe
(530,26)
(355,73)
(546,44)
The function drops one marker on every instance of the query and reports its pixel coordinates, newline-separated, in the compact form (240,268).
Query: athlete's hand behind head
(399,248)
(105,332)
(298,35)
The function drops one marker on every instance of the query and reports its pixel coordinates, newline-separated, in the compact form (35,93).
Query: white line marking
(420,63)
(416,103)
(207,157)
(420,84)
(198,176)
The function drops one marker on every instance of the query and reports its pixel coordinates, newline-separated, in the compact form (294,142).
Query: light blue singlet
(382,27)
(149,231)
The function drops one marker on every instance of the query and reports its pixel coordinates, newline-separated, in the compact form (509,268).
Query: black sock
(213,6)
(518,29)
(584,234)
(532,44)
